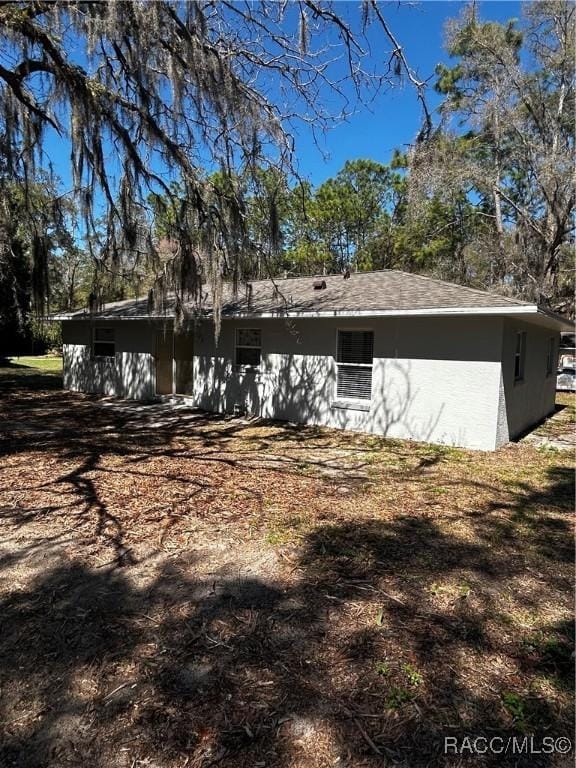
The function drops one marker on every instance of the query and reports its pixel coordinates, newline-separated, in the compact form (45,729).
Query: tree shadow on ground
(240,672)
(378,640)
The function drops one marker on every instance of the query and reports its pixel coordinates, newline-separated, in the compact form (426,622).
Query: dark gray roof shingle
(363,291)
(383,291)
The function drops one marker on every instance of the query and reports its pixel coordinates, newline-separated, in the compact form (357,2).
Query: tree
(348,207)
(267,212)
(334,226)
(512,91)
(176,88)
(34,237)
(71,278)
(15,278)
(305,253)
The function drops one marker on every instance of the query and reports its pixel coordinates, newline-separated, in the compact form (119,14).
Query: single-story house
(384,352)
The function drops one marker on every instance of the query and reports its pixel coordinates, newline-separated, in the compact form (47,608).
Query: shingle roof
(364,292)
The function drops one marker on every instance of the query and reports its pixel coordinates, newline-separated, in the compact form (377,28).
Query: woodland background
(483,197)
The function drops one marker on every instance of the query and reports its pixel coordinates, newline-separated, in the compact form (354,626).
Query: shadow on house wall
(434,379)
(129,374)
(529,401)
(301,390)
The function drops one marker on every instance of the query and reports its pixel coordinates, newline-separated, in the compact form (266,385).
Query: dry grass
(185,590)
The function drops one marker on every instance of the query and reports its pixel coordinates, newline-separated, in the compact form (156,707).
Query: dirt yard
(181,590)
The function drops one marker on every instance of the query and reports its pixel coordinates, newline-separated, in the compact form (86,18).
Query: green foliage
(351,210)
(36,251)
(345,222)
(489,206)
(45,336)
(360,219)
(512,90)
(487,200)
(515,705)
(165,210)
(382,668)
(398,696)
(414,677)
(178,90)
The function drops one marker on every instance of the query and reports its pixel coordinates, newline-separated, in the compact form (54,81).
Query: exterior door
(184,361)
(164,362)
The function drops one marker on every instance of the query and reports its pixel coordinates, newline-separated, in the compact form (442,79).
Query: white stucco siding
(130,374)
(441,401)
(433,379)
(530,400)
(445,380)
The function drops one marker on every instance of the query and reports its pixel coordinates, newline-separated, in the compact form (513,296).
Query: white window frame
(551,354)
(237,346)
(362,400)
(520,356)
(99,341)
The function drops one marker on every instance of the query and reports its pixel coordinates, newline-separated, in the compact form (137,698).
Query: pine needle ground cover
(180,589)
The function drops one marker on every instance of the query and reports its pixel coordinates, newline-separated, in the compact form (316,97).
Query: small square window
(104,342)
(248,347)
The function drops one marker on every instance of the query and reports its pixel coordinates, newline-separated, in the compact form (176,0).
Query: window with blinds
(355,356)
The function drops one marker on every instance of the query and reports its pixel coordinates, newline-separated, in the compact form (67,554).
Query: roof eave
(294,313)
(562,323)
(525,309)
(95,316)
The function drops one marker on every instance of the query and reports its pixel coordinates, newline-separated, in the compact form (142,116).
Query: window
(248,347)
(104,344)
(551,360)
(520,356)
(354,363)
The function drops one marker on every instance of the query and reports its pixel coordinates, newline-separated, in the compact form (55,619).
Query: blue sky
(393,119)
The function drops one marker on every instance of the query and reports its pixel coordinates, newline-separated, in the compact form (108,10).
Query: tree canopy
(179,90)
(511,97)
(183,161)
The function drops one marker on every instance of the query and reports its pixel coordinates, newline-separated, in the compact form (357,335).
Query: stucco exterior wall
(434,379)
(441,380)
(526,402)
(130,374)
